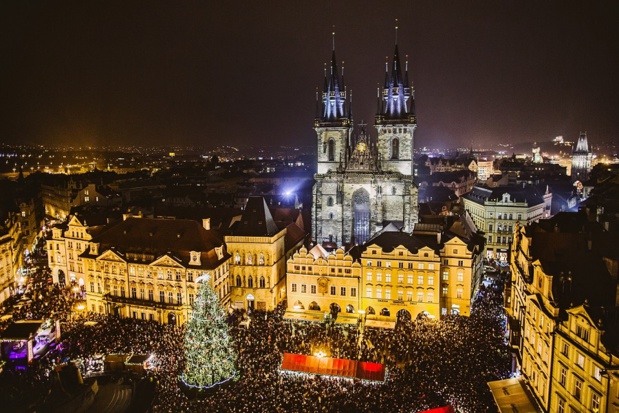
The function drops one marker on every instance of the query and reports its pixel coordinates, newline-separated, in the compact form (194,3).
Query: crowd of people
(429,362)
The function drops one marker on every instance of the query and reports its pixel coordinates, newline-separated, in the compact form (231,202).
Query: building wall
(7,274)
(255,259)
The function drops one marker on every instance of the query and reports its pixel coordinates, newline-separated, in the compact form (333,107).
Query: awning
(446,409)
(380,324)
(333,367)
(511,395)
(318,317)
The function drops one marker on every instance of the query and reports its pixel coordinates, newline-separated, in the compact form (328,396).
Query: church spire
(396,93)
(334,91)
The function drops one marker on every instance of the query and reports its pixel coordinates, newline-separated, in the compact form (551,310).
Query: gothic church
(362,183)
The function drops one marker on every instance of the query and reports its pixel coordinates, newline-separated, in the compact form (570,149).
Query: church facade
(362,183)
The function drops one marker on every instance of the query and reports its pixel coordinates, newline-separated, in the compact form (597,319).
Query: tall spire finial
(396,31)
(406,62)
(333,36)
(342,68)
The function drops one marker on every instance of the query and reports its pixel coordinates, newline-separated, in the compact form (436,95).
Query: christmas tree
(208,346)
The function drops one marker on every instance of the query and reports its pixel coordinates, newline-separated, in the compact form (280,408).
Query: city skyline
(200,74)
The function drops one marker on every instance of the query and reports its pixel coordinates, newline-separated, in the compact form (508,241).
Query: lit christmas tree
(208,346)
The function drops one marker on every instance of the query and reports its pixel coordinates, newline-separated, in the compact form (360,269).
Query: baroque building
(431,272)
(148,268)
(496,211)
(563,309)
(363,184)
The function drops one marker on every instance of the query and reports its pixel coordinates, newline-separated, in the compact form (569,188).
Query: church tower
(581,159)
(332,123)
(363,184)
(395,119)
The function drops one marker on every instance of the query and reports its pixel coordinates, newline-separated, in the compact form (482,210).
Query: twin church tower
(363,184)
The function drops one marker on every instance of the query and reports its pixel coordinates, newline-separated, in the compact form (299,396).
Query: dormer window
(194,258)
(220,252)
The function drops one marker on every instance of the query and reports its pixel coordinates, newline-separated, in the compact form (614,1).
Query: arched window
(237,258)
(395,148)
(330,215)
(262,282)
(350,309)
(314,306)
(250,259)
(261,259)
(385,312)
(330,201)
(331,150)
(238,281)
(250,282)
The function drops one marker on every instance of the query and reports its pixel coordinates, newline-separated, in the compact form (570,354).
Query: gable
(111,255)
(74,221)
(166,261)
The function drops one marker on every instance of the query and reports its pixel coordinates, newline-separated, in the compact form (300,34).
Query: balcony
(138,302)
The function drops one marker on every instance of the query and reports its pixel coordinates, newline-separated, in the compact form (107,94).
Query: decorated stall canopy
(333,367)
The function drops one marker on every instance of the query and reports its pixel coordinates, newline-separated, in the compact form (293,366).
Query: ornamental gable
(166,261)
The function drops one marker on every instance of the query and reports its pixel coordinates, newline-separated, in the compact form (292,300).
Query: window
(342,291)
(582,332)
(191,299)
(237,258)
(238,281)
(562,376)
(400,295)
(303,288)
(400,265)
(388,277)
(400,278)
(420,266)
(160,274)
(368,276)
(388,294)
(489,227)
(379,277)
(170,295)
(420,296)
(293,287)
(395,149)
(353,291)
(134,293)
(580,360)
(565,349)
(331,150)
(430,296)
(122,291)
(459,292)
(409,296)
(460,277)
(460,263)
(597,373)
(388,264)
(161,297)
(379,263)
(150,295)
(430,266)
(445,291)
(369,262)
(92,287)
(409,279)
(379,293)
(330,201)
(179,298)
(333,290)
(262,282)
(177,275)
(131,270)
(141,293)
(368,292)
(560,405)
(420,279)
(430,280)
(313,288)
(577,389)
(595,402)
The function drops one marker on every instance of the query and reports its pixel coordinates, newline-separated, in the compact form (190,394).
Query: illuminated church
(362,183)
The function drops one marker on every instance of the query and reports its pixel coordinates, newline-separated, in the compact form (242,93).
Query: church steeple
(396,93)
(334,93)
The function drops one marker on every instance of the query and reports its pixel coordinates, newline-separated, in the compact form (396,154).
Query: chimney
(206,223)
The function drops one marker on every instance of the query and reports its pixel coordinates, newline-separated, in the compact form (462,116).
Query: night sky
(229,72)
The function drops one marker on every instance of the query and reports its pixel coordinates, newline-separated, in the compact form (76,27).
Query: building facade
(259,250)
(149,268)
(363,184)
(393,276)
(496,211)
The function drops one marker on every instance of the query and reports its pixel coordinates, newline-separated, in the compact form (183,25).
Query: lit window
(580,360)
(388,294)
(460,277)
(400,278)
(379,293)
(368,276)
(388,277)
(430,296)
(420,296)
(430,280)
(303,288)
(293,287)
(409,296)
(420,279)
(368,292)
(409,279)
